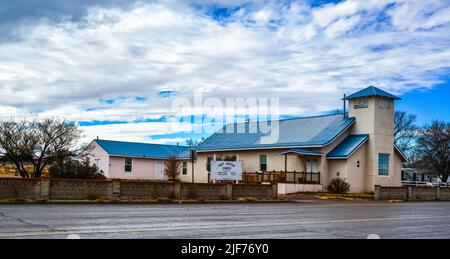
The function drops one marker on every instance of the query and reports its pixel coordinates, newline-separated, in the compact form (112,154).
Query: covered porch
(308,172)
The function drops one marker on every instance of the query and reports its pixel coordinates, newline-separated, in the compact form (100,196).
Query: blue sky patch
(166,93)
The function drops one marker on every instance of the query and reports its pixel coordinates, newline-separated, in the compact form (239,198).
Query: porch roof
(348,146)
(301,152)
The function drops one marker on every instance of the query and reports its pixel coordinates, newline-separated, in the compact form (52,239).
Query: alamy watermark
(228,115)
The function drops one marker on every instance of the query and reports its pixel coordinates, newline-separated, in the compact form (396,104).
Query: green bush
(338,185)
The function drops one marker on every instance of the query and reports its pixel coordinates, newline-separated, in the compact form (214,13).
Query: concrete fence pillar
(116,188)
(377,192)
(275,191)
(45,189)
(410,193)
(438,193)
(177,190)
(229,191)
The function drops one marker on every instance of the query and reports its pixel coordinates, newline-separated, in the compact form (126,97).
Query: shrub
(338,185)
(75,169)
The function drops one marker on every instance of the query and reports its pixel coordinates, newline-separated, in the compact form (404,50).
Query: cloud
(73,56)
(134,132)
(414,15)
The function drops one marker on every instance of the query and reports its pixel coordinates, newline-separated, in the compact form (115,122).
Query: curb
(87,202)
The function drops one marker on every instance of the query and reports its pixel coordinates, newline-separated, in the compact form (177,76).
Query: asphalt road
(231,221)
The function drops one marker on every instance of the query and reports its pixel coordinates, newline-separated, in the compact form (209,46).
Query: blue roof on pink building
(144,150)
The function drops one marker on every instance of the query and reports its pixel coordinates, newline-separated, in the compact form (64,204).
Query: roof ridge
(313,116)
(142,143)
(297,118)
(371,91)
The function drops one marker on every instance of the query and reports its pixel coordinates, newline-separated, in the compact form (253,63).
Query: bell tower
(373,110)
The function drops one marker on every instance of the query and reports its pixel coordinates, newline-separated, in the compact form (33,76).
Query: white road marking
(130,230)
(373,236)
(73,236)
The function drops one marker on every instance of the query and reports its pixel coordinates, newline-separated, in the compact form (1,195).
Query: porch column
(285,162)
(304,170)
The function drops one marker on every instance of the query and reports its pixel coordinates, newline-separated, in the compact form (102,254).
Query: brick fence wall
(68,189)
(14,188)
(412,193)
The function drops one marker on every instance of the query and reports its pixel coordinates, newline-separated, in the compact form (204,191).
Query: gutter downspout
(345,114)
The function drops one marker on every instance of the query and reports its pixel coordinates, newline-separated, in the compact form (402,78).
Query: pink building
(128,160)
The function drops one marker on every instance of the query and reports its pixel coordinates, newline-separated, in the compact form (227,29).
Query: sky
(116,66)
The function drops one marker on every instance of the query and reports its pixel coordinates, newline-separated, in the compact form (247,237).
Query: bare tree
(172,167)
(405,132)
(434,149)
(193,143)
(37,142)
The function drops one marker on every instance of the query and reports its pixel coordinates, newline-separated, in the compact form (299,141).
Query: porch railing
(277,177)
(281,177)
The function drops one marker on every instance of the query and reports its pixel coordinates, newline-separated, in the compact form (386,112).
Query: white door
(159,170)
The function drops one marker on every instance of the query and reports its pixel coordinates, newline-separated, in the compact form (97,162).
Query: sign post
(193,158)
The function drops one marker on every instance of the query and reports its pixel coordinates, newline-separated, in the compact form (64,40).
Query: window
(263,162)
(361,103)
(128,165)
(226,158)
(97,162)
(383,103)
(308,165)
(208,163)
(383,164)
(184,168)
(315,166)
(312,165)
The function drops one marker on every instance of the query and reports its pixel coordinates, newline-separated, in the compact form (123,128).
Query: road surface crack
(3,215)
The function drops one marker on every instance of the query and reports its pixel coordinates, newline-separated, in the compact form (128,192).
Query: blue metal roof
(132,149)
(371,91)
(300,132)
(301,152)
(348,146)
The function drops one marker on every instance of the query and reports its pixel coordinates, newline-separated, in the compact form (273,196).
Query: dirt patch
(2,175)
(329,196)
